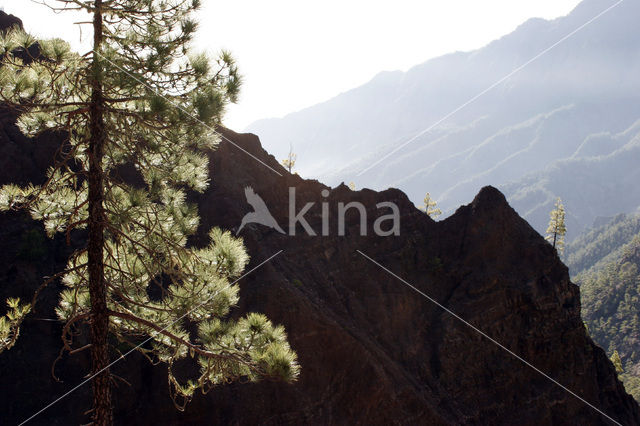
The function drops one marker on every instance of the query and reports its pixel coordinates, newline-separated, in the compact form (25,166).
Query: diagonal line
(176,105)
(479,95)
(477,330)
(148,339)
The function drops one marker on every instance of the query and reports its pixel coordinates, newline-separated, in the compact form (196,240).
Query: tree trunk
(102,410)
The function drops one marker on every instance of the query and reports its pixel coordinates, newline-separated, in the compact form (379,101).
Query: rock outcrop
(7,21)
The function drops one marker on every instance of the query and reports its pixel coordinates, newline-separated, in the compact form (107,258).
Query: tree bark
(102,409)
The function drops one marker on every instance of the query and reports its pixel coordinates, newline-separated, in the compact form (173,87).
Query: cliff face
(372,350)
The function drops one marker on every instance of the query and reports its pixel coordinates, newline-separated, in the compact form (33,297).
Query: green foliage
(160,106)
(10,323)
(597,247)
(429,207)
(605,262)
(557,229)
(617,362)
(611,307)
(631,385)
(290,162)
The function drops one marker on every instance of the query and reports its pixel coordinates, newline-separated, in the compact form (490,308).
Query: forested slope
(605,262)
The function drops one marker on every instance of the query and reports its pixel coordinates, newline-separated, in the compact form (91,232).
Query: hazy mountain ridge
(557,107)
(590,186)
(605,243)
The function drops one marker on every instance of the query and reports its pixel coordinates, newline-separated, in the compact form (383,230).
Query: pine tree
(10,323)
(429,207)
(557,229)
(617,362)
(137,99)
(290,162)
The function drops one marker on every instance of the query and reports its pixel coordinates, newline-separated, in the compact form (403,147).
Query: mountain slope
(611,301)
(561,106)
(590,187)
(596,247)
(605,262)
(372,350)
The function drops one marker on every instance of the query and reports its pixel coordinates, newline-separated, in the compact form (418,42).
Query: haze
(294,54)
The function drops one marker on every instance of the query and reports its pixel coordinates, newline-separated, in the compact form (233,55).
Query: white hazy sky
(295,53)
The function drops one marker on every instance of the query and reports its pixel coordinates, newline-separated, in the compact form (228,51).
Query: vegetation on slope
(597,247)
(605,262)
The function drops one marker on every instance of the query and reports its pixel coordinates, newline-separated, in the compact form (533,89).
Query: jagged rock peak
(7,21)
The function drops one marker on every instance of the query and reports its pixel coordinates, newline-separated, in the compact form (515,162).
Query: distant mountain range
(567,124)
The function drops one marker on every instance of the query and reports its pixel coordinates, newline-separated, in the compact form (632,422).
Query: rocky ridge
(372,350)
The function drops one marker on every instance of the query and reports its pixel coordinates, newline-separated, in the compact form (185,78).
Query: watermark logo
(260,214)
(385,225)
